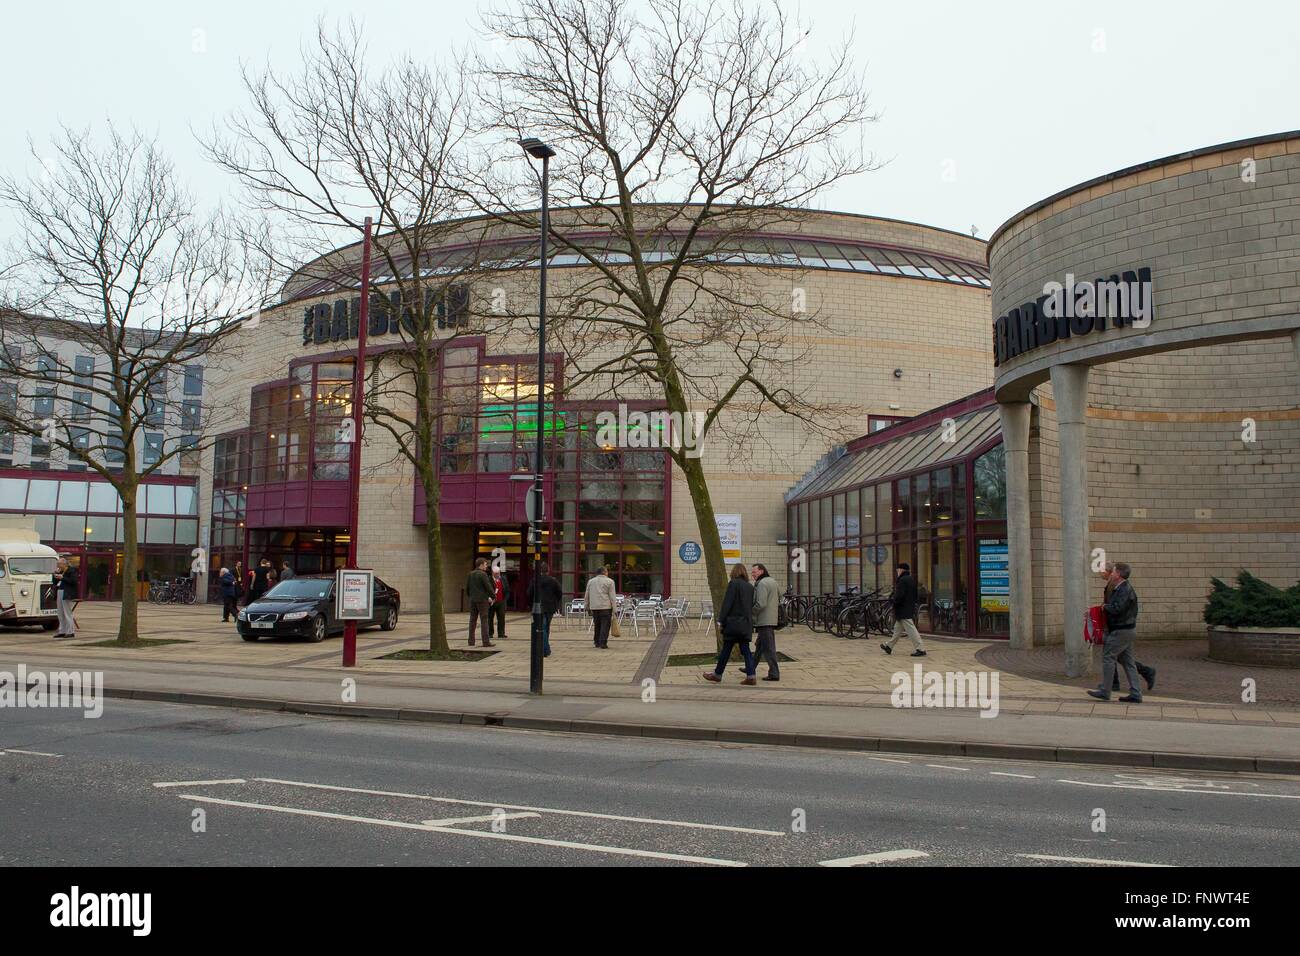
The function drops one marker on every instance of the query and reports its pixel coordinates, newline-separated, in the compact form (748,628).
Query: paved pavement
(164,784)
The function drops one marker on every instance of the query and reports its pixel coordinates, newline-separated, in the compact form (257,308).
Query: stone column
(1070,390)
(1015,441)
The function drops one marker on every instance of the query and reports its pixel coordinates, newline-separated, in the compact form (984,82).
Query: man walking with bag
(767,603)
(1148,674)
(1121,631)
(479,590)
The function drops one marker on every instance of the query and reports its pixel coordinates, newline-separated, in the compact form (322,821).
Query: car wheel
(49,625)
(249,637)
(390,620)
(318,629)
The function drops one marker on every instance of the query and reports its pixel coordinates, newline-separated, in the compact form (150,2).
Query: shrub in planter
(1252,603)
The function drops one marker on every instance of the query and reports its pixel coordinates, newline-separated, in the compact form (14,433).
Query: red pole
(354,471)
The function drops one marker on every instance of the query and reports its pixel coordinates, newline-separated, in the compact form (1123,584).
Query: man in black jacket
(904,600)
(1121,631)
(546,590)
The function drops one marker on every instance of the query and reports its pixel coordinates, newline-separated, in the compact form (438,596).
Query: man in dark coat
(904,611)
(478,589)
(228,596)
(547,591)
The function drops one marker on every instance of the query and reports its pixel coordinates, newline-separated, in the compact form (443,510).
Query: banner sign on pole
(354,595)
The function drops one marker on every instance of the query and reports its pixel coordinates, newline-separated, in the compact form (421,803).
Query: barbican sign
(1067,309)
(341,321)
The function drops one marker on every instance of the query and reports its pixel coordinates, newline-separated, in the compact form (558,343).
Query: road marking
(888,760)
(489,818)
(508,806)
(1219,793)
(30,753)
(1086,859)
(1023,776)
(480,834)
(886,856)
(944,766)
(199,783)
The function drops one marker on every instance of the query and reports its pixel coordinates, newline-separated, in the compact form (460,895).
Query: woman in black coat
(737,622)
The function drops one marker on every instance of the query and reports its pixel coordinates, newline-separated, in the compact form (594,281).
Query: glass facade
(948,522)
(84,519)
(608,505)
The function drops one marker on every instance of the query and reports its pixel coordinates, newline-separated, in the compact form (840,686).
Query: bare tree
(685,131)
(117,264)
(333,143)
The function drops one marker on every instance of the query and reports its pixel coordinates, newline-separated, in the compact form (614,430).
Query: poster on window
(729,533)
(354,595)
(995,576)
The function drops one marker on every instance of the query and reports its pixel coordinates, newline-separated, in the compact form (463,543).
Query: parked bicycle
(175,591)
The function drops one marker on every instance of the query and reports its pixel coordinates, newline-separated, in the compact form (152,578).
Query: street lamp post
(354,472)
(539,150)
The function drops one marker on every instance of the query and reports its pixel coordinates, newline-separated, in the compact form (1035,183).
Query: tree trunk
(714,563)
(128,629)
(433,542)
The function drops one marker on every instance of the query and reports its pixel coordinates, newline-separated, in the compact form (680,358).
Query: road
(166,784)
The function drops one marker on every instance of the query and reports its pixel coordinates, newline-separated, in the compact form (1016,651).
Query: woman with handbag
(737,622)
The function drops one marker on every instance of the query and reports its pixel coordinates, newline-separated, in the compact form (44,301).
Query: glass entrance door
(98,573)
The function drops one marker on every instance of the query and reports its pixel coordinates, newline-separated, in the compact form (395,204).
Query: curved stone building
(888,319)
(1147,335)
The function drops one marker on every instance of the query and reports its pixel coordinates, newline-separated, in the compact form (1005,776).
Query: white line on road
(481,834)
(886,856)
(488,818)
(199,783)
(944,766)
(1221,793)
(508,806)
(30,753)
(1023,776)
(888,760)
(1086,859)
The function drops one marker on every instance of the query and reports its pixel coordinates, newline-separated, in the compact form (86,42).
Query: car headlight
(242,615)
(295,616)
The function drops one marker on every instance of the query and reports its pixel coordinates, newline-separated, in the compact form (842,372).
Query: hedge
(1252,603)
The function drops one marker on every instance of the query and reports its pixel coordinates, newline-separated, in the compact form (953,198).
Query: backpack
(1094,625)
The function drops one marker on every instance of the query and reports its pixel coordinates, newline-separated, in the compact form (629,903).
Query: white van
(26,583)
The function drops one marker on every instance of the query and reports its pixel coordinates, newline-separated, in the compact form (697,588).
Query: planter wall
(1270,646)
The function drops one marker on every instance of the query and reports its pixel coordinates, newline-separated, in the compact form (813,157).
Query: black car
(303,606)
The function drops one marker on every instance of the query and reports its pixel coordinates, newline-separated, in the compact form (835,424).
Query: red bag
(1094,625)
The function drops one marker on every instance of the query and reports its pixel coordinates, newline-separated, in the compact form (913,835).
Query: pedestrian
(1121,632)
(65,586)
(239,580)
(500,598)
(546,590)
(767,602)
(737,622)
(600,604)
(261,579)
(904,600)
(1148,674)
(228,596)
(286,572)
(478,588)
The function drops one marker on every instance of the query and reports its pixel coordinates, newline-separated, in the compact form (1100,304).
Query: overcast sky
(986,107)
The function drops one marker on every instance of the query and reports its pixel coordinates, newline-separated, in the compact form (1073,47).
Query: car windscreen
(32,565)
(303,589)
